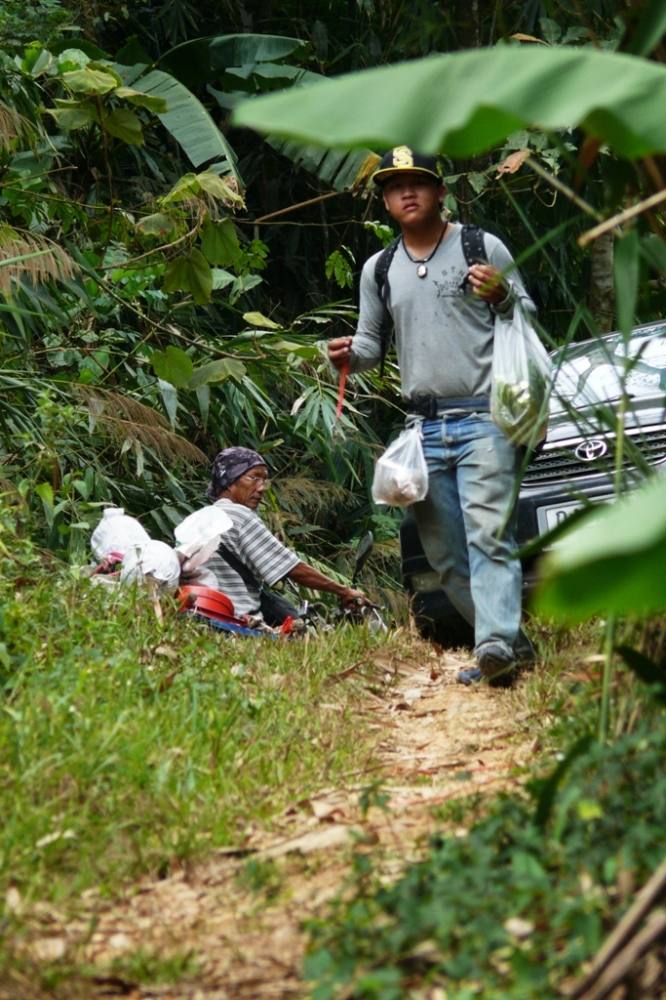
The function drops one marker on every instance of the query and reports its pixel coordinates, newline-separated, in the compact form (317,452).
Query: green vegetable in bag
(521,380)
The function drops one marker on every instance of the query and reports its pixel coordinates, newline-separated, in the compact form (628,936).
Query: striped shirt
(258,549)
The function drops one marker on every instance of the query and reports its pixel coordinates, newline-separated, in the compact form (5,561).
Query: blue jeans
(465,525)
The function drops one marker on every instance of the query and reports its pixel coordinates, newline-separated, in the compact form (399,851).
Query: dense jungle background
(168,280)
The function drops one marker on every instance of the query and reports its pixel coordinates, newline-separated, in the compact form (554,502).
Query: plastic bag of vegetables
(521,380)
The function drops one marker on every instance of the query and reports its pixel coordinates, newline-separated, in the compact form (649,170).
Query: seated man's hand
(354,598)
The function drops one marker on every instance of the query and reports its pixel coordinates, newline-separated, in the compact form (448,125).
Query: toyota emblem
(590,450)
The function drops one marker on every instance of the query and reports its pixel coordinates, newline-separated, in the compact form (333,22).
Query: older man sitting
(250,558)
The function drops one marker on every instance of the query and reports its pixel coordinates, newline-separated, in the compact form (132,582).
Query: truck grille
(561,463)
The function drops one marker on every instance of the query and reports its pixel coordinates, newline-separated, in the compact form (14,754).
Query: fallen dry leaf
(48,949)
(513,162)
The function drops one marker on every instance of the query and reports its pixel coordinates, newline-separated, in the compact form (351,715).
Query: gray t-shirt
(443,336)
(258,549)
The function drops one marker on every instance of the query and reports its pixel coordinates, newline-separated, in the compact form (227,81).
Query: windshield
(597,370)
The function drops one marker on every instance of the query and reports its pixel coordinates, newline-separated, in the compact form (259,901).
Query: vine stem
(611,623)
(607,679)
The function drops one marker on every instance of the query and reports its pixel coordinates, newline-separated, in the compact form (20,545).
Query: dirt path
(240,915)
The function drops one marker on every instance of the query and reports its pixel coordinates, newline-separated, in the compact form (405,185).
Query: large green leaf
(612,561)
(190,273)
(125,124)
(342,169)
(188,121)
(216,371)
(90,80)
(467,102)
(173,365)
(200,61)
(219,242)
(71,115)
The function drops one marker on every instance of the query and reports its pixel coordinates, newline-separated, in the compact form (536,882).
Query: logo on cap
(403,157)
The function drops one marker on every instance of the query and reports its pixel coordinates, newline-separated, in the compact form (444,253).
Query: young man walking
(443,311)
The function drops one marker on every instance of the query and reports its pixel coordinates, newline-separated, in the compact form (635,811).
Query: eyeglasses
(264,480)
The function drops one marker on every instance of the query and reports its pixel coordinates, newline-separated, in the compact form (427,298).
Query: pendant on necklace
(421,271)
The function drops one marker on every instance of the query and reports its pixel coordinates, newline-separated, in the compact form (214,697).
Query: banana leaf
(467,102)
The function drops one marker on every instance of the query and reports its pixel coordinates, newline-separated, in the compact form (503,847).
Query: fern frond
(12,126)
(138,422)
(26,255)
(101,401)
(314,494)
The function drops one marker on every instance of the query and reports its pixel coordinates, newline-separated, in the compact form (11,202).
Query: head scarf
(229,465)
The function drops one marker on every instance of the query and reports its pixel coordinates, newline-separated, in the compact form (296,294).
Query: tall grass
(126,744)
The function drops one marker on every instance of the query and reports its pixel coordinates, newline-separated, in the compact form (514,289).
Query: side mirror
(362,552)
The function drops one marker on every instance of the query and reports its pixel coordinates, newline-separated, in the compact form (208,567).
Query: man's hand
(339,351)
(486,282)
(353,598)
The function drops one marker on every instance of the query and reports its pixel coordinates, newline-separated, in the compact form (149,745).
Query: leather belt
(430,406)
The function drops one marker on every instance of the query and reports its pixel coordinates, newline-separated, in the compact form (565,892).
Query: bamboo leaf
(625,268)
(263,322)
(203,399)
(651,28)
(653,250)
(169,399)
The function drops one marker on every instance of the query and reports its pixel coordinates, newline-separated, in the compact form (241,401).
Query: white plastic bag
(401,473)
(116,532)
(521,380)
(199,535)
(151,559)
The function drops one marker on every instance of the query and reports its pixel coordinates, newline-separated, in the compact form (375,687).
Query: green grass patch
(128,745)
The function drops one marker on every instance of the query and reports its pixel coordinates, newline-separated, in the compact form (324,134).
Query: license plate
(549,517)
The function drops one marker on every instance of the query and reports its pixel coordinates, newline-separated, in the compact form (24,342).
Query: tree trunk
(601,295)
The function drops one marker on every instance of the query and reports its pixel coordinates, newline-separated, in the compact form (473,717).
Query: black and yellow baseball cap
(401,159)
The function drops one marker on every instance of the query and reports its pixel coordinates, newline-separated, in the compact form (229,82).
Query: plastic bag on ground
(521,380)
(117,532)
(151,559)
(199,535)
(401,473)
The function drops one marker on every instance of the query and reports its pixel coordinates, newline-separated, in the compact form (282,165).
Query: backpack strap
(473,244)
(382,265)
(474,250)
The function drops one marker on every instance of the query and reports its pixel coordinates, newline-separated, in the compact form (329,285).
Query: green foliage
(339,267)
(140,318)
(515,906)
(613,560)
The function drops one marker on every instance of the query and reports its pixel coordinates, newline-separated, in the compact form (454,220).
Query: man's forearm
(308,576)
